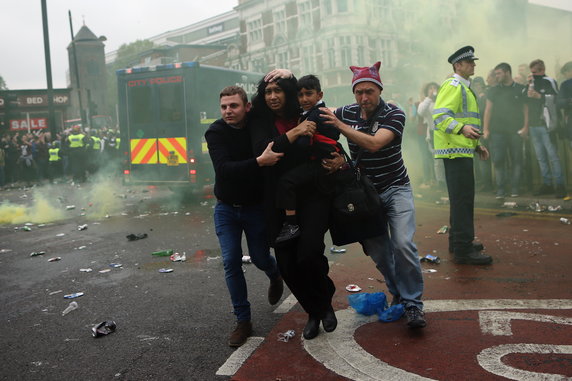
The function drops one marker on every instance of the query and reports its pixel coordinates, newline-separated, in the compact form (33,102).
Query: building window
(386,53)
(305,13)
(308,59)
(282,59)
(328,7)
(346,50)
(254,30)
(258,65)
(342,5)
(360,50)
(280,21)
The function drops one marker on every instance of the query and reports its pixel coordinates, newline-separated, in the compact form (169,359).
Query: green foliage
(3,84)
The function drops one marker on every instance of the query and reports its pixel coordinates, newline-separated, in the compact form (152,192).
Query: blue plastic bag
(368,303)
(393,313)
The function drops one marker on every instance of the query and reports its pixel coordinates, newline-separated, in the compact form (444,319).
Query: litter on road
(431,259)
(286,336)
(135,237)
(74,295)
(443,229)
(72,306)
(178,257)
(103,328)
(163,253)
(353,288)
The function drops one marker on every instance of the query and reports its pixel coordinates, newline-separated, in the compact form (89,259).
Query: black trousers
(291,182)
(461,187)
(303,264)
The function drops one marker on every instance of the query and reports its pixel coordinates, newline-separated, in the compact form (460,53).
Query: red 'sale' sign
(22,124)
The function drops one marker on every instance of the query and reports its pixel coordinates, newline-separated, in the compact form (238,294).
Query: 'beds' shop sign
(34,124)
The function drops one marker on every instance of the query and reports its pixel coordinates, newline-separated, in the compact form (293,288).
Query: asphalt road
(170,326)
(174,326)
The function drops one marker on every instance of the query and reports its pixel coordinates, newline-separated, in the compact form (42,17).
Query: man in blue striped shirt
(376,128)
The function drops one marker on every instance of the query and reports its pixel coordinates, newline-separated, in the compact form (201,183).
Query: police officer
(77,142)
(95,152)
(456,139)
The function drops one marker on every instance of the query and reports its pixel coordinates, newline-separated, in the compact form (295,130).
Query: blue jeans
(230,222)
(395,254)
(545,154)
(503,147)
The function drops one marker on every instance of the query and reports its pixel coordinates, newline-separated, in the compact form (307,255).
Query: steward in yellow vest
(54,154)
(55,163)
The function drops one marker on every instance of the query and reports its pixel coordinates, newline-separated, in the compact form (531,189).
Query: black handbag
(356,196)
(356,207)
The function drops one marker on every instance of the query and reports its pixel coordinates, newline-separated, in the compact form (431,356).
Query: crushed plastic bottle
(431,259)
(55,259)
(164,270)
(565,221)
(82,227)
(284,337)
(70,207)
(72,306)
(335,250)
(36,253)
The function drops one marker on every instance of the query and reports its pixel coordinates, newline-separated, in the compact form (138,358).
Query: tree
(127,56)
(3,84)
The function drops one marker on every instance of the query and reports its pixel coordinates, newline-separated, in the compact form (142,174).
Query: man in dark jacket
(541,87)
(238,189)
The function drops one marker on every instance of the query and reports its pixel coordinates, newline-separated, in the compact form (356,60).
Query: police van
(164,112)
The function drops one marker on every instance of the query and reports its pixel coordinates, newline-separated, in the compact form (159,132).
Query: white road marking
(498,323)
(491,360)
(340,353)
(496,304)
(235,361)
(286,304)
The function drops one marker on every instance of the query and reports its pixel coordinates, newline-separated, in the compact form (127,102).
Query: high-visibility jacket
(117,143)
(54,154)
(76,140)
(455,106)
(96,143)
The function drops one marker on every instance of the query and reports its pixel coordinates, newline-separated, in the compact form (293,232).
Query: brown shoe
(242,332)
(275,290)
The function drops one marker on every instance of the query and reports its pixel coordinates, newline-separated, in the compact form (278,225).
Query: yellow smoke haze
(41,211)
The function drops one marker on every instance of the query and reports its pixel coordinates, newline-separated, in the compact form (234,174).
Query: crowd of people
(278,162)
(524,117)
(35,157)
